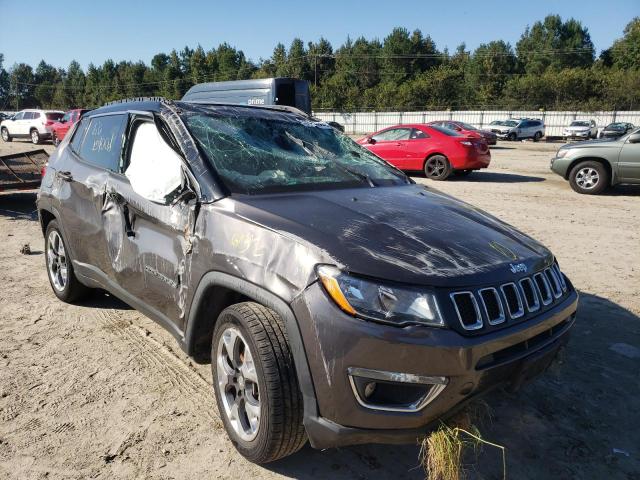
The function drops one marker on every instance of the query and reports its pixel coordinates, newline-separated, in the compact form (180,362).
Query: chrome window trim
(502,316)
(557,287)
(520,311)
(548,288)
(478,324)
(438,385)
(536,306)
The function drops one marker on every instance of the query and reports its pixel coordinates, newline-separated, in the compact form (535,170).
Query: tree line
(553,66)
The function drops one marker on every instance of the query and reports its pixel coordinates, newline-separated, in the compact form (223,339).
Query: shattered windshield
(259,150)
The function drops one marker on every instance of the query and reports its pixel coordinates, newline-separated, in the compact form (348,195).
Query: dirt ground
(100,391)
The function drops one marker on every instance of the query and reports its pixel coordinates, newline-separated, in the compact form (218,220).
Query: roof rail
(138,99)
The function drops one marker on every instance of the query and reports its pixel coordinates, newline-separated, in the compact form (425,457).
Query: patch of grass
(443,451)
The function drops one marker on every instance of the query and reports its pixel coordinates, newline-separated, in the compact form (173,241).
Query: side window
(78,136)
(102,143)
(395,134)
(418,134)
(19,116)
(524,124)
(36,115)
(28,116)
(154,168)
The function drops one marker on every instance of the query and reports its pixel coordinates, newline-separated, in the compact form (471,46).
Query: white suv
(29,124)
(519,128)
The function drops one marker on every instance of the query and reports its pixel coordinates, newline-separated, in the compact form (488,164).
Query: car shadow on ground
(103,300)
(19,205)
(501,147)
(571,422)
(496,177)
(622,191)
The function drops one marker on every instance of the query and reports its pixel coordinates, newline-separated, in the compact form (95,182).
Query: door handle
(398,144)
(66,176)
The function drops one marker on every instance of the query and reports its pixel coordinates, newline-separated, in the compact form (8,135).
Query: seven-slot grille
(509,301)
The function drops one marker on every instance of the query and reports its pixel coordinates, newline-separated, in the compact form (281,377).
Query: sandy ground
(99,391)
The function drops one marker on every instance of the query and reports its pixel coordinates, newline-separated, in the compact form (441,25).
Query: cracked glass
(260,150)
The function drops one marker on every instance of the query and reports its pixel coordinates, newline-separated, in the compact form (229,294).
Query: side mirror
(371,140)
(634,138)
(155,169)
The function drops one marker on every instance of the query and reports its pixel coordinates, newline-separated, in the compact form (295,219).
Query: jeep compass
(337,301)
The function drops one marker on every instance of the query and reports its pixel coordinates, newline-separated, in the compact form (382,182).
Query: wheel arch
(605,163)
(218,290)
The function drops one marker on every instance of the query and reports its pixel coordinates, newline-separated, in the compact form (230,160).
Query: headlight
(562,152)
(383,303)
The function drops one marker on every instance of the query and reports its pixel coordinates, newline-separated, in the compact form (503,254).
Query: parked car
(31,124)
(59,129)
(518,129)
(434,150)
(616,129)
(593,166)
(583,129)
(468,130)
(336,300)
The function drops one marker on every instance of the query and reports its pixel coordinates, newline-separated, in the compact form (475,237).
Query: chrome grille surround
(536,304)
(546,296)
(501,317)
(545,287)
(472,326)
(520,312)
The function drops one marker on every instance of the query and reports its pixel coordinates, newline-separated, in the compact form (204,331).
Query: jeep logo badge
(517,267)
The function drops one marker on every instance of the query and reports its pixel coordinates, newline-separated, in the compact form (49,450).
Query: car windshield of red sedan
(258,151)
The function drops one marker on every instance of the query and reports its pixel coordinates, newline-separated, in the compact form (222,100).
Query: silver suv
(519,128)
(584,129)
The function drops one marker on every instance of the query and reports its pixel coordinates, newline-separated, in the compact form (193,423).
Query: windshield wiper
(362,176)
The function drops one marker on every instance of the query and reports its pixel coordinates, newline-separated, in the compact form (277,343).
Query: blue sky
(91,31)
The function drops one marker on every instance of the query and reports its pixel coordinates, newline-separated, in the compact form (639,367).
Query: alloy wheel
(436,167)
(5,135)
(35,137)
(238,383)
(57,261)
(587,178)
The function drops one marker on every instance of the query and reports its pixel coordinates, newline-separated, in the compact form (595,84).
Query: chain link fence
(356,123)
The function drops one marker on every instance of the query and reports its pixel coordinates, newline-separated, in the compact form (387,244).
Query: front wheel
(35,136)
(512,136)
(437,167)
(255,383)
(590,178)
(5,135)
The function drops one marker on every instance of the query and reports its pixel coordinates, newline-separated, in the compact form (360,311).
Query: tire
(35,136)
(5,135)
(437,167)
(537,136)
(67,289)
(589,177)
(512,137)
(278,430)
(55,140)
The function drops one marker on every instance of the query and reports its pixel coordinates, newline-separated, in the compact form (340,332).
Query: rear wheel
(5,135)
(255,383)
(437,167)
(59,268)
(35,136)
(537,136)
(589,177)
(55,139)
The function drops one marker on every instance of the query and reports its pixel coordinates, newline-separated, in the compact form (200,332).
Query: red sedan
(466,129)
(60,129)
(435,150)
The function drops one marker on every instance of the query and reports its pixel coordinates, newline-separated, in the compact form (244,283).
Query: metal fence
(555,122)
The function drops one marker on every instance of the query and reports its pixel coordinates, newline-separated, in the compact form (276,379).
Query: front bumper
(586,134)
(335,342)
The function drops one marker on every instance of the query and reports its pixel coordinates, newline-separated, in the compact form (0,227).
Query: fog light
(369,389)
(392,391)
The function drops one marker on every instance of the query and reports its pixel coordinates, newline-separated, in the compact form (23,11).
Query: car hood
(599,143)
(409,234)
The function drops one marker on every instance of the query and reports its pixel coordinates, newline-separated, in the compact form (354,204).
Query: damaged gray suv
(337,301)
